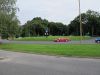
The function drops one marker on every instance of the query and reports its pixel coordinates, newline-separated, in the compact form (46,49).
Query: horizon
(53,11)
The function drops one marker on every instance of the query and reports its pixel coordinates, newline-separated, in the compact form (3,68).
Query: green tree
(35,27)
(38,27)
(8,19)
(90,24)
(7,6)
(93,22)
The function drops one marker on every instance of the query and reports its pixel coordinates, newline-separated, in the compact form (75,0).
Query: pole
(0,27)
(80,20)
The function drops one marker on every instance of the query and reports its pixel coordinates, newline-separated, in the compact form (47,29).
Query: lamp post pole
(80,20)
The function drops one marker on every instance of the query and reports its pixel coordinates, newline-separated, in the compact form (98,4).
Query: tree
(57,28)
(93,21)
(90,24)
(35,27)
(7,6)
(38,27)
(8,19)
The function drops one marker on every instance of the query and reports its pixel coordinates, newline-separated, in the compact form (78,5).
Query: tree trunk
(92,30)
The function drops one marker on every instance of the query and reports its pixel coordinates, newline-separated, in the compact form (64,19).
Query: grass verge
(59,50)
(51,38)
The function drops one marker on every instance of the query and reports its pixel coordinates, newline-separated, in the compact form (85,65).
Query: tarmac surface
(14,63)
(91,41)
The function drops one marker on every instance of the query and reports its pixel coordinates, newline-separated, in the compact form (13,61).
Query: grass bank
(51,38)
(59,50)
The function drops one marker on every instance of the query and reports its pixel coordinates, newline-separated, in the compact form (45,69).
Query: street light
(80,20)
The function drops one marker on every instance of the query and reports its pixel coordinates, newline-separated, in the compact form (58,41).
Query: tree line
(10,25)
(38,26)
(90,24)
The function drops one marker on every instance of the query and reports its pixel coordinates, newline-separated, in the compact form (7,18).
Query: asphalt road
(91,41)
(13,63)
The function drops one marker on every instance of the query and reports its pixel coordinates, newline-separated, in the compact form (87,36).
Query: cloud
(54,10)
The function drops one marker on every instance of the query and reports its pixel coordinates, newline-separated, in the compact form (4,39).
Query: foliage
(38,27)
(7,6)
(51,38)
(8,19)
(90,24)
(56,49)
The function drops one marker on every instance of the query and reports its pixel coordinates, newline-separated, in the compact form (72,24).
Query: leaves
(90,24)
(38,27)
(8,19)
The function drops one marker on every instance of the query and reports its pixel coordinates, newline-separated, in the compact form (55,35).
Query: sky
(54,10)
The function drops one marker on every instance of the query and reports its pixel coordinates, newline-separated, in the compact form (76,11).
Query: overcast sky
(54,10)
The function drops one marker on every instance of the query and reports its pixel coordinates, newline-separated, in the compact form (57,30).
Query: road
(14,63)
(91,41)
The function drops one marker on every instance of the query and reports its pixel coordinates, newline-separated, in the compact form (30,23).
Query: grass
(51,38)
(77,50)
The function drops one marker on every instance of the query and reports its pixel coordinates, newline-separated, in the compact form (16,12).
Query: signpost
(46,32)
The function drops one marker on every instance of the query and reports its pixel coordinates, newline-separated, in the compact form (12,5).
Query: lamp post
(80,20)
